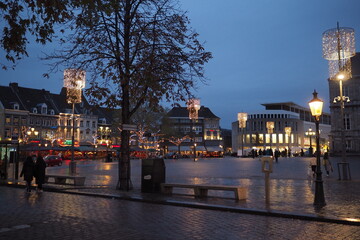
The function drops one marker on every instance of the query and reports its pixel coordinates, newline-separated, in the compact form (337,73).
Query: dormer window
(42,108)
(52,112)
(102,120)
(15,105)
(34,110)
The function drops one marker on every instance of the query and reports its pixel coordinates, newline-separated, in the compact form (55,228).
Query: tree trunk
(124,164)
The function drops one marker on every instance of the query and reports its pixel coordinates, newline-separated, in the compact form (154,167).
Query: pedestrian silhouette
(327,163)
(39,172)
(28,172)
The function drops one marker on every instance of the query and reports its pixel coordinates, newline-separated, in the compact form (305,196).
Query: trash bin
(152,175)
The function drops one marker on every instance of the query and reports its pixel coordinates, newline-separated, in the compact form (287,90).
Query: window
(81,123)
(93,124)
(16,106)
(52,112)
(7,133)
(7,119)
(87,123)
(16,120)
(44,110)
(347,122)
(273,136)
(254,126)
(348,144)
(281,140)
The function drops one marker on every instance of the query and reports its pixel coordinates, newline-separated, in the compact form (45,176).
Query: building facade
(351,122)
(284,116)
(42,118)
(204,136)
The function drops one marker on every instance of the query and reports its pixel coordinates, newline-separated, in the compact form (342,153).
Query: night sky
(264,51)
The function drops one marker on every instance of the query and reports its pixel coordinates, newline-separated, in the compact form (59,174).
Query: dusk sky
(263,51)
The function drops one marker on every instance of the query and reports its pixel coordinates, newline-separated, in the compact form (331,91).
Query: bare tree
(136,51)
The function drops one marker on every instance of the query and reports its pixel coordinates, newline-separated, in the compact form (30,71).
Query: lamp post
(338,48)
(74,82)
(193,106)
(288,133)
(270,129)
(242,118)
(32,132)
(310,133)
(316,106)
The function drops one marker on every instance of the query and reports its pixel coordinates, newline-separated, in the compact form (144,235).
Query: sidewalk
(289,197)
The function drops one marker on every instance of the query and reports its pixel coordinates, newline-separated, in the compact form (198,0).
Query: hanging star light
(193,106)
(242,118)
(338,47)
(74,82)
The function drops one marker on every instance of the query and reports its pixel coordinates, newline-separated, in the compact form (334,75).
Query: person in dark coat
(40,166)
(28,172)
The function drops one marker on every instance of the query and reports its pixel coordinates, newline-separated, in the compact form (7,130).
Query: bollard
(266,167)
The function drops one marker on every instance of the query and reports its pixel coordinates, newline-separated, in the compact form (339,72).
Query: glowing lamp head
(316,106)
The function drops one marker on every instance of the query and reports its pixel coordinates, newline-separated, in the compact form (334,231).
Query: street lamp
(270,129)
(74,82)
(310,133)
(242,118)
(193,106)
(316,106)
(338,48)
(288,133)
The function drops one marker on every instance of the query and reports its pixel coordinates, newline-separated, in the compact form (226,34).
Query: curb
(267,213)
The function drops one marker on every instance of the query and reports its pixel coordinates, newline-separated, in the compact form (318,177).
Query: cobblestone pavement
(291,188)
(292,195)
(51,215)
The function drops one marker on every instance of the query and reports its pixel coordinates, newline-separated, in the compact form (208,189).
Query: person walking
(28,172)
(327,163)
(277,154)
(40,167)
(313,167)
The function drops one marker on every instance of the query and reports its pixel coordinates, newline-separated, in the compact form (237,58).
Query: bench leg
(241,194)
(60,180)
(79,181)
(202,192)
(167,190)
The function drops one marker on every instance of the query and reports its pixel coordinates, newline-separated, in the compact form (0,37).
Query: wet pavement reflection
(291,188)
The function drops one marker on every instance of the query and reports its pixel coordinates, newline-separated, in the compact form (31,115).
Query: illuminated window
(8,120)
(253,138)
(261,138)
(247,138)
(286,138)
(267,138)
(273,138)
(281,138)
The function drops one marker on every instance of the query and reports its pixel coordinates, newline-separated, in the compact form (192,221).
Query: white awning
(214,149)
(186,148)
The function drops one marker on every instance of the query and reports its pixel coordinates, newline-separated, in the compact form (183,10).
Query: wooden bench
(62,179)
(202,190)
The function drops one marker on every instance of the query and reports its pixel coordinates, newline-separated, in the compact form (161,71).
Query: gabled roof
(182,112)
(7,97)
(30,98)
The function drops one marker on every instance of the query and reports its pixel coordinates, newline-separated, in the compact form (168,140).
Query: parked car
(52,160)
